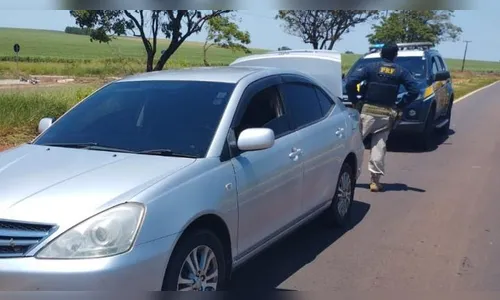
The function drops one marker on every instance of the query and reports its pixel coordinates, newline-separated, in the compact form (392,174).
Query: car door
(447,89)
(269,182)
(439,87)
(321,128)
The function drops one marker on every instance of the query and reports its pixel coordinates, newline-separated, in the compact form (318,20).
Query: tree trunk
(149,62)
(205,49)
(166,55)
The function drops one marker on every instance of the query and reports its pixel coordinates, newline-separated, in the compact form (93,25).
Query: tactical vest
(383,84)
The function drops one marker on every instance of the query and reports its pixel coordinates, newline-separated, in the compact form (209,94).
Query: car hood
(58,185)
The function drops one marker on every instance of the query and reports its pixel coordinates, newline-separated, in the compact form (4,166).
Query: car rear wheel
(425,140)
(197,264)
(339,211)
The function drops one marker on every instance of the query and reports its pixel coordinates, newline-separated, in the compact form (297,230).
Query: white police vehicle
(431,111)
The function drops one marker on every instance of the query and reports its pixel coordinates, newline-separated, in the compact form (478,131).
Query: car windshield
(414,64)
(139,116)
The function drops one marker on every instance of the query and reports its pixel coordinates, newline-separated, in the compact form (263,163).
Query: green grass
(22,109)
(45,52)
(467,82)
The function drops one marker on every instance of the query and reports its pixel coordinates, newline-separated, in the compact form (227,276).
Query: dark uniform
(378,113)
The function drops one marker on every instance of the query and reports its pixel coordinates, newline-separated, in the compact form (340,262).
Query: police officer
(382,80)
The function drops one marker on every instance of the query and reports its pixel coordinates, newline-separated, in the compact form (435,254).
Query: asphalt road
(435,228)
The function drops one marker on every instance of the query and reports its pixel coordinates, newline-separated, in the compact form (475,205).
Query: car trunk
(324,65)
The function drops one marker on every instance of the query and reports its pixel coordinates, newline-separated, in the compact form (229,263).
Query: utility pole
(465,53)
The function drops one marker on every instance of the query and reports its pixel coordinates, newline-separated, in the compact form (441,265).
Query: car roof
(329,54)
(403,53)
(209,74)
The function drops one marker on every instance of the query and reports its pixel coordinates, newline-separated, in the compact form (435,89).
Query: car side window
(265,110)
(435,66)
(303,103)
(442,63)
(325,102)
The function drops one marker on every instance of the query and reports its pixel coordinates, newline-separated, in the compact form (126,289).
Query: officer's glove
(401,104)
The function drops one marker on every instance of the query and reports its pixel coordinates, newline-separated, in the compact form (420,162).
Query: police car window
(324,101)
(435,66)
(442,63)
(303,103)
(265,110)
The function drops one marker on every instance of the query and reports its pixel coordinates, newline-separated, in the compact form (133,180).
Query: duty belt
(383,111)
(379,110)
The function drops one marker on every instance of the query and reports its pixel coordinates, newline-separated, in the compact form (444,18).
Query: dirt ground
(51,81)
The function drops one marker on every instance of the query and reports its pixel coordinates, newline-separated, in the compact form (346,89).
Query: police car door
(439,86)
(321,129)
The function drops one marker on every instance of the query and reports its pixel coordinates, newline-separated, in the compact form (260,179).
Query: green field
(46,52)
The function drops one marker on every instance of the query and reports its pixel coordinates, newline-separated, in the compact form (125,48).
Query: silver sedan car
(170,180)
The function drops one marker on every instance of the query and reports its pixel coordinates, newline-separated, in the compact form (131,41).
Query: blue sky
(266,31)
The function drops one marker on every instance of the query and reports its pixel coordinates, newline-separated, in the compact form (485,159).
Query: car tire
(446,128)
(425,140)
(200,240)
(339,212)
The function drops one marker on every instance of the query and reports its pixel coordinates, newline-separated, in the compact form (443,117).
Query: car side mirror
(44,124)
(254,139)
(442,75)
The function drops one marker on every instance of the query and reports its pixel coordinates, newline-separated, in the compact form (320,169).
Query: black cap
(389,51)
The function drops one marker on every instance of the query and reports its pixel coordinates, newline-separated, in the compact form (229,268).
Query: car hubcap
(199,272)
(344,194)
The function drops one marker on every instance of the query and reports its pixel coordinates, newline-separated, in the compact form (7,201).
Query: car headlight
(108,233)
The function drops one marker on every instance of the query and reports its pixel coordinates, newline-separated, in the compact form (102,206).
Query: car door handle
(340,132)
(294,155)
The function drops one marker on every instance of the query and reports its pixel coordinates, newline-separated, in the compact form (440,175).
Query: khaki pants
(379,127)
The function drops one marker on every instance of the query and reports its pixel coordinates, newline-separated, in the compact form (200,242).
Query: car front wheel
(425,139)
(446,128)
(197,264)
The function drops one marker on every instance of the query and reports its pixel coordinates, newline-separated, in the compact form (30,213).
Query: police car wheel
(446,128)
(426,138)
(339,212)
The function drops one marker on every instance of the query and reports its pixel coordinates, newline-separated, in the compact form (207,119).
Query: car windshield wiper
(70,145)
(88,146)
(165,152)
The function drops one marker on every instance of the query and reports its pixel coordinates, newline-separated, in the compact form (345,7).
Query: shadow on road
(407,144)
(272,267)
(394,187)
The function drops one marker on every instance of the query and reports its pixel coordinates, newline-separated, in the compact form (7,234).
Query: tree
(176,25)
(319,27)
(406,26)
(225,33)
(78,30)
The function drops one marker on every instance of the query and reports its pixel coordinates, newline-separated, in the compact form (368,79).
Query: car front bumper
(409,127)
(141,269)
